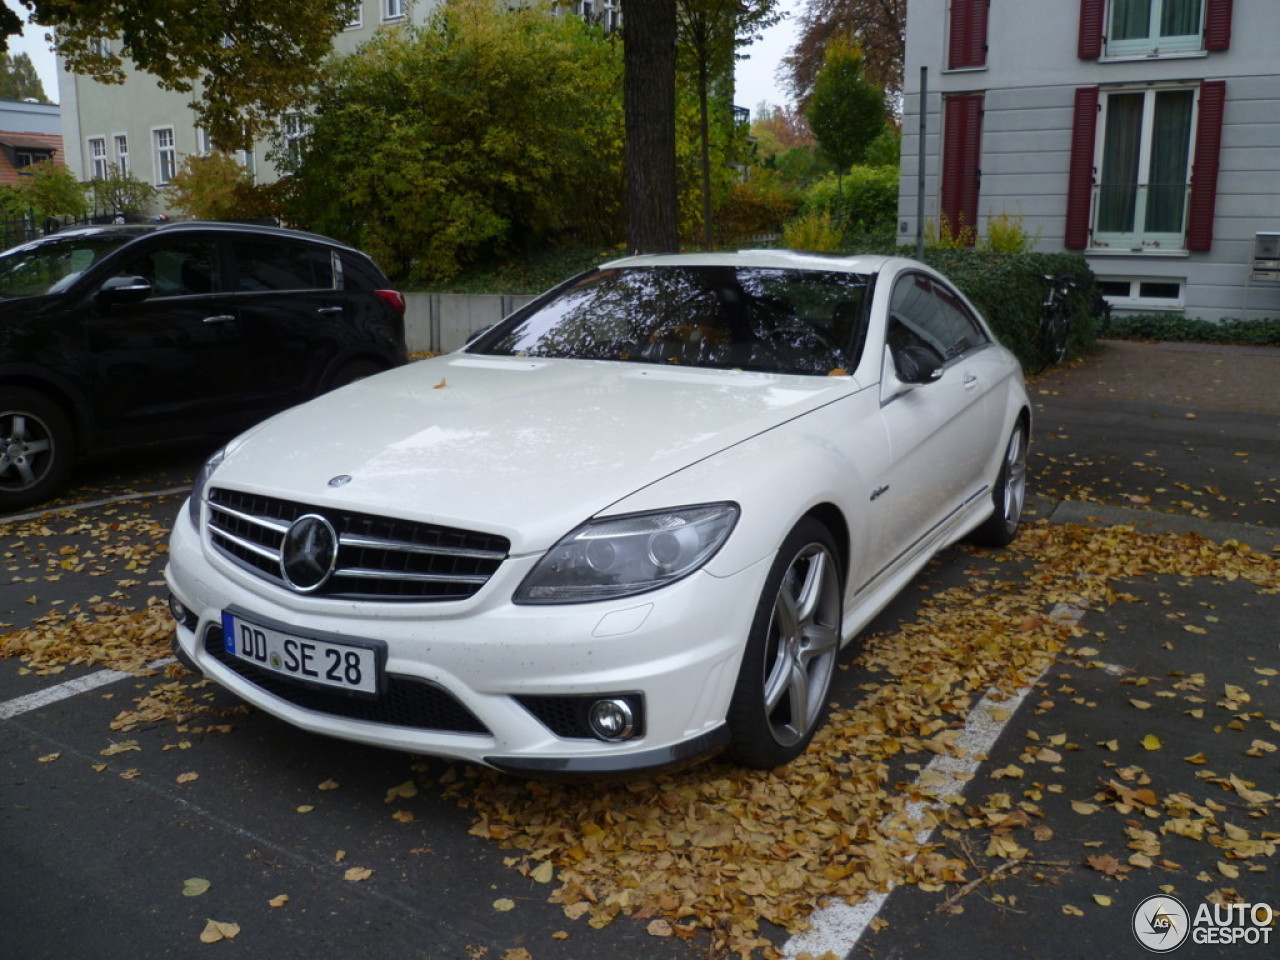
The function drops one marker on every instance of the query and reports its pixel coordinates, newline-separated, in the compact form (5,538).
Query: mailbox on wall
(1266,257)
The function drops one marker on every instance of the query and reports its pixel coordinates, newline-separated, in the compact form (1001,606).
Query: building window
(166,155)
(355,16)
(967,35)
(1144,167)
(392,9)
(295,129)
(1145,27)
(100,47)
(97,158)
(122,154)
(1144,161)
(1142,294)
(1152,28)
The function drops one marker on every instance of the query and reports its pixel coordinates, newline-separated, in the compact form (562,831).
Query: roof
(50,143)
(784,259)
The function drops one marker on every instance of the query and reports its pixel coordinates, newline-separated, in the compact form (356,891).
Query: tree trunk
(649,109)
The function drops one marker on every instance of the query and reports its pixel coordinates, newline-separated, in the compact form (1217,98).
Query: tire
(1008,496)
(351,371)
(780,697)
(37,446)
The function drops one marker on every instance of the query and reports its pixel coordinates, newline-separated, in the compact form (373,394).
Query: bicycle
(1055,318)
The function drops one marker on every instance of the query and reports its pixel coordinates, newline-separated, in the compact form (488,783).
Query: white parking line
(835,928)
(90,504)
(70,688)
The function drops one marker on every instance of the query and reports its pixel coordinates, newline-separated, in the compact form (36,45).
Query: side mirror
(916,364)
(125,290)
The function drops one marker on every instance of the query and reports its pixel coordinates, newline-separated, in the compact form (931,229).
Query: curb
(1261,539)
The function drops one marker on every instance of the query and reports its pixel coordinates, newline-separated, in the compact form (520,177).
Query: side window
(915,317)
(267,264)
(966,332)
(358,274)
(179,268)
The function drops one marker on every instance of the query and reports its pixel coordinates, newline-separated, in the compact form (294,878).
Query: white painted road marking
(70,688)
(837,927)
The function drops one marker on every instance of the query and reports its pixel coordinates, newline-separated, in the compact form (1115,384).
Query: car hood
(526,448)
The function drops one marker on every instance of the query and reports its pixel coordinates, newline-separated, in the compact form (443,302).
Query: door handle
(220,318)
(970,381)
(328,311)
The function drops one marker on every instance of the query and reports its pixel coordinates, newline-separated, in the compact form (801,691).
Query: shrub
(1172,327)
(760,205)
(1010,290)
(863,199)
(815,232)
(1006,234)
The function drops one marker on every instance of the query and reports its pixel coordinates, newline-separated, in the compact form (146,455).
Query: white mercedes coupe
(633,523)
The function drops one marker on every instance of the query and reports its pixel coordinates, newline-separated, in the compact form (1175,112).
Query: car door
(173,361)
(292,314)
(937,429)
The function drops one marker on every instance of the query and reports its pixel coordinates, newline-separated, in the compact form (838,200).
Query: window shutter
(962,151)
(1084,130)
(1204,169)
(1092,18)
(968,40)
(1217,25)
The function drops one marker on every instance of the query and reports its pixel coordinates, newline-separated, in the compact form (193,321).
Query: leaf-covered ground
(727,858)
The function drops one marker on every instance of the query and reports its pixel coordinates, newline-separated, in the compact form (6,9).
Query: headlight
(620,556)
(202,481)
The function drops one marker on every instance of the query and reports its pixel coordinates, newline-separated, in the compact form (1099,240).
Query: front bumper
(677,650)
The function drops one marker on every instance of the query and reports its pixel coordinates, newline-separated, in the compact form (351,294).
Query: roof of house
(26,142)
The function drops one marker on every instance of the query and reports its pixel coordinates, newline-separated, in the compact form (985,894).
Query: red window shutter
(961,154)
(1204,168)
(1084,131)
(1092,19)
(968,41)
(1217,24)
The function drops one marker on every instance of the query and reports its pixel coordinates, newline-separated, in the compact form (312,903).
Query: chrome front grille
(379,558)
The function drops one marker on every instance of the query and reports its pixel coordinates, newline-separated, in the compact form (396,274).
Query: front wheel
(780,697)
(1009,495)
(36,448)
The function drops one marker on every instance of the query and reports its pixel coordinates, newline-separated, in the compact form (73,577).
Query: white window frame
(357,16)
(1153,45)
(1139,239)
(165,154)
(121,143)
(98,162)
(294,128)
(1135,299)
(393,9)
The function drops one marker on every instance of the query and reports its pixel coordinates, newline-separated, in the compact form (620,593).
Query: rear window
(266,264)
(751,318)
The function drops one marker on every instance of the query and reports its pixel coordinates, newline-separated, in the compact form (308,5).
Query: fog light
(612,719)
(180,613)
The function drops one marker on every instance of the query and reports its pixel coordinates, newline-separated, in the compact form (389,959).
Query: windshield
(751,318)
(51,265)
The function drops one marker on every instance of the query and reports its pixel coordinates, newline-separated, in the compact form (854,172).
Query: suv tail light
(393,298)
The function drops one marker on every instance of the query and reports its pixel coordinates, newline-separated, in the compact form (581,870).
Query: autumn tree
(710,33)
(649,112)
(245,62)
(487,130)
(846,113)
(122,192)
(877,27)
(19,80)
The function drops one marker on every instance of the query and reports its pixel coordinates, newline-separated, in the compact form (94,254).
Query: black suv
(113,336)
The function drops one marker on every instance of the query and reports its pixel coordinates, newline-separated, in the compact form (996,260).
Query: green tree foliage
(122,193)
(51,190)
(19,80)
(211,187)
(486,129)
(246,62)
(710,32)
(878,27)
(863,200)
(846,113)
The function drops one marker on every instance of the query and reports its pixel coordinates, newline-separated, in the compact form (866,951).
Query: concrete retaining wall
(442,322)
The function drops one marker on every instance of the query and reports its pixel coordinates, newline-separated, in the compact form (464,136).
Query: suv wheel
(36,444)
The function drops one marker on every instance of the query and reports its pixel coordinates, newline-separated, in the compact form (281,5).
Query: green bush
(760,205)
(1010,290)
(1166,327)
(813,232)
(862,199)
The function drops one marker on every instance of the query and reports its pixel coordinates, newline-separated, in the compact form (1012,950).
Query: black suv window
(181,267)
(357,273)
(270,264)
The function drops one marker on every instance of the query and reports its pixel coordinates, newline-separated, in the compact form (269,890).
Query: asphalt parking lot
(1028,745)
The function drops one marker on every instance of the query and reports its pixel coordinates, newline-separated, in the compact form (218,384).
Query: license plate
(345,666)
